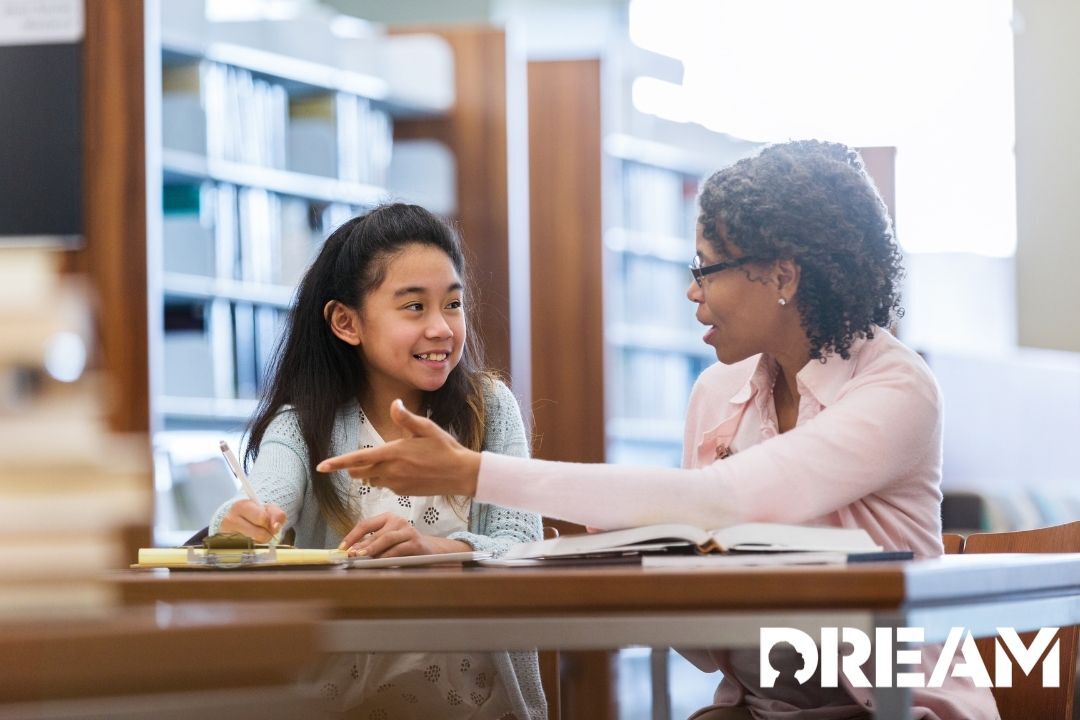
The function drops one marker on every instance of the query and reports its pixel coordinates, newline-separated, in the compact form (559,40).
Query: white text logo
(790,656)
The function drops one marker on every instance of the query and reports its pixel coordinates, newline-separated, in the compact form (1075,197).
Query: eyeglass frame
(698,272)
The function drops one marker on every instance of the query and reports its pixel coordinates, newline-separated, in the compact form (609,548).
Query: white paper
(416,560)
(40,22)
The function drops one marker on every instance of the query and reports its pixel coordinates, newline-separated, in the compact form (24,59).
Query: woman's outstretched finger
(414,425)
(361,460)
(356,458)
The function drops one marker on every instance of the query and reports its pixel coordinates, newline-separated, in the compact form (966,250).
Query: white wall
(1010,432)
(959,302)
(1048,172)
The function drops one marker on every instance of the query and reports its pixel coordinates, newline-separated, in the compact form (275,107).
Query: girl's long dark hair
(316,373)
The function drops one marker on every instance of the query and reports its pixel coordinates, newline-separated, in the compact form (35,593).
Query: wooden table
(166,661)
(607,607)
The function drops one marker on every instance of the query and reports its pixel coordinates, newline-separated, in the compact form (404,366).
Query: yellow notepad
(196,558)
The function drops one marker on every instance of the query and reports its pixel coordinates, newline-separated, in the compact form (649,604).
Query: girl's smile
(435,359)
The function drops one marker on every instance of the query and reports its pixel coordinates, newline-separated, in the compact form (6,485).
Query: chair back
(953,542)
(1028,698)
(549,679)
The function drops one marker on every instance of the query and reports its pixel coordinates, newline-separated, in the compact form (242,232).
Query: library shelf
(645,245)
(198,287)
(301,76)
(210,409)
(180,166)
(659,339)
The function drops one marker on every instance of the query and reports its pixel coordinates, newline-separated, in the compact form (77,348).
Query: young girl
(381,315)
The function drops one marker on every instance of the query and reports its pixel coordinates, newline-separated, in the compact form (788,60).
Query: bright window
(933,79)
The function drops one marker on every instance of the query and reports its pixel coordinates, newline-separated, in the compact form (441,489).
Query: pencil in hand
(238,471)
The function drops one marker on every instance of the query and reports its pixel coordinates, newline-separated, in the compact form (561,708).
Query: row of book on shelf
(228,113)
(648,291)
(232,258)
(658,201)
(651,385)
(219,348)
(247,234)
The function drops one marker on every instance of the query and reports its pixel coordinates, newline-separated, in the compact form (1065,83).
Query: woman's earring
(781,301)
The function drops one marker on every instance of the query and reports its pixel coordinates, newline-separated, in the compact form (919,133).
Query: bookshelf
(653,349)
(617,211)
(144,187)
(253,155)
(261,155)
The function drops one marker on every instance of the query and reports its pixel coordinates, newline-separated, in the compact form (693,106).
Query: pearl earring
(781,301)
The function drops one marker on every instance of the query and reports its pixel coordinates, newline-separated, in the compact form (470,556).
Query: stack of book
(70,490)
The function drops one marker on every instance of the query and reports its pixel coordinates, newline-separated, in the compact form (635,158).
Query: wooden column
(566,262)
(114,182)
(475,131)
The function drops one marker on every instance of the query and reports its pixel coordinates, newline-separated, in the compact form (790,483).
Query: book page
(611,541)
(776,537)
(744,560)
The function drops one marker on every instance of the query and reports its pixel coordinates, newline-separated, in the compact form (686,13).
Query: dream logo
(789,656)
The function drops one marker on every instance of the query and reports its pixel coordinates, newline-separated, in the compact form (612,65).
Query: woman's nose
(694,293)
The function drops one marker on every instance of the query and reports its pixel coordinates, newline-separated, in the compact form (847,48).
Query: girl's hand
(427,461)
(258,522)
(389,535)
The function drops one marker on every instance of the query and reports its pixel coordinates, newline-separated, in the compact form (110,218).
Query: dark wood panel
(114,174)
(566,260)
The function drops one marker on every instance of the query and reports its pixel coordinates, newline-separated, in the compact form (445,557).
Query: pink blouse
(865,452)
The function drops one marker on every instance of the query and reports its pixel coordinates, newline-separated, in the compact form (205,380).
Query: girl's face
(738,304)
(412,326)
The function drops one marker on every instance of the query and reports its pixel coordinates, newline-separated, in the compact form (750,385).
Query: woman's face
(739,304)
(412,326)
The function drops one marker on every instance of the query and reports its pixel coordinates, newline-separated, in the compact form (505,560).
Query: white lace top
(435,515)
(450,686)
(282,475)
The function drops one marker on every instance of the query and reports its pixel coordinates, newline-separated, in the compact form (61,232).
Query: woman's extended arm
(427,461)
(875,435)
(495,528)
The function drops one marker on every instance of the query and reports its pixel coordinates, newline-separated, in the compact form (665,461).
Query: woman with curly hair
(814,415)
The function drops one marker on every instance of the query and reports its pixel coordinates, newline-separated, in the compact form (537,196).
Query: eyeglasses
(699,271)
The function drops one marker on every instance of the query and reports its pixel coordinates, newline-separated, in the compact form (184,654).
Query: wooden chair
(550,670)
(953,542)
(549,678)
(1027,698)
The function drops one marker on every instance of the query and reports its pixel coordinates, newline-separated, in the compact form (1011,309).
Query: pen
(238,471)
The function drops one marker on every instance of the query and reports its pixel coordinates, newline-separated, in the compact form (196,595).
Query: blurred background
(176,163)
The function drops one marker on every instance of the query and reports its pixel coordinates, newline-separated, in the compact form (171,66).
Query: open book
(749,537)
